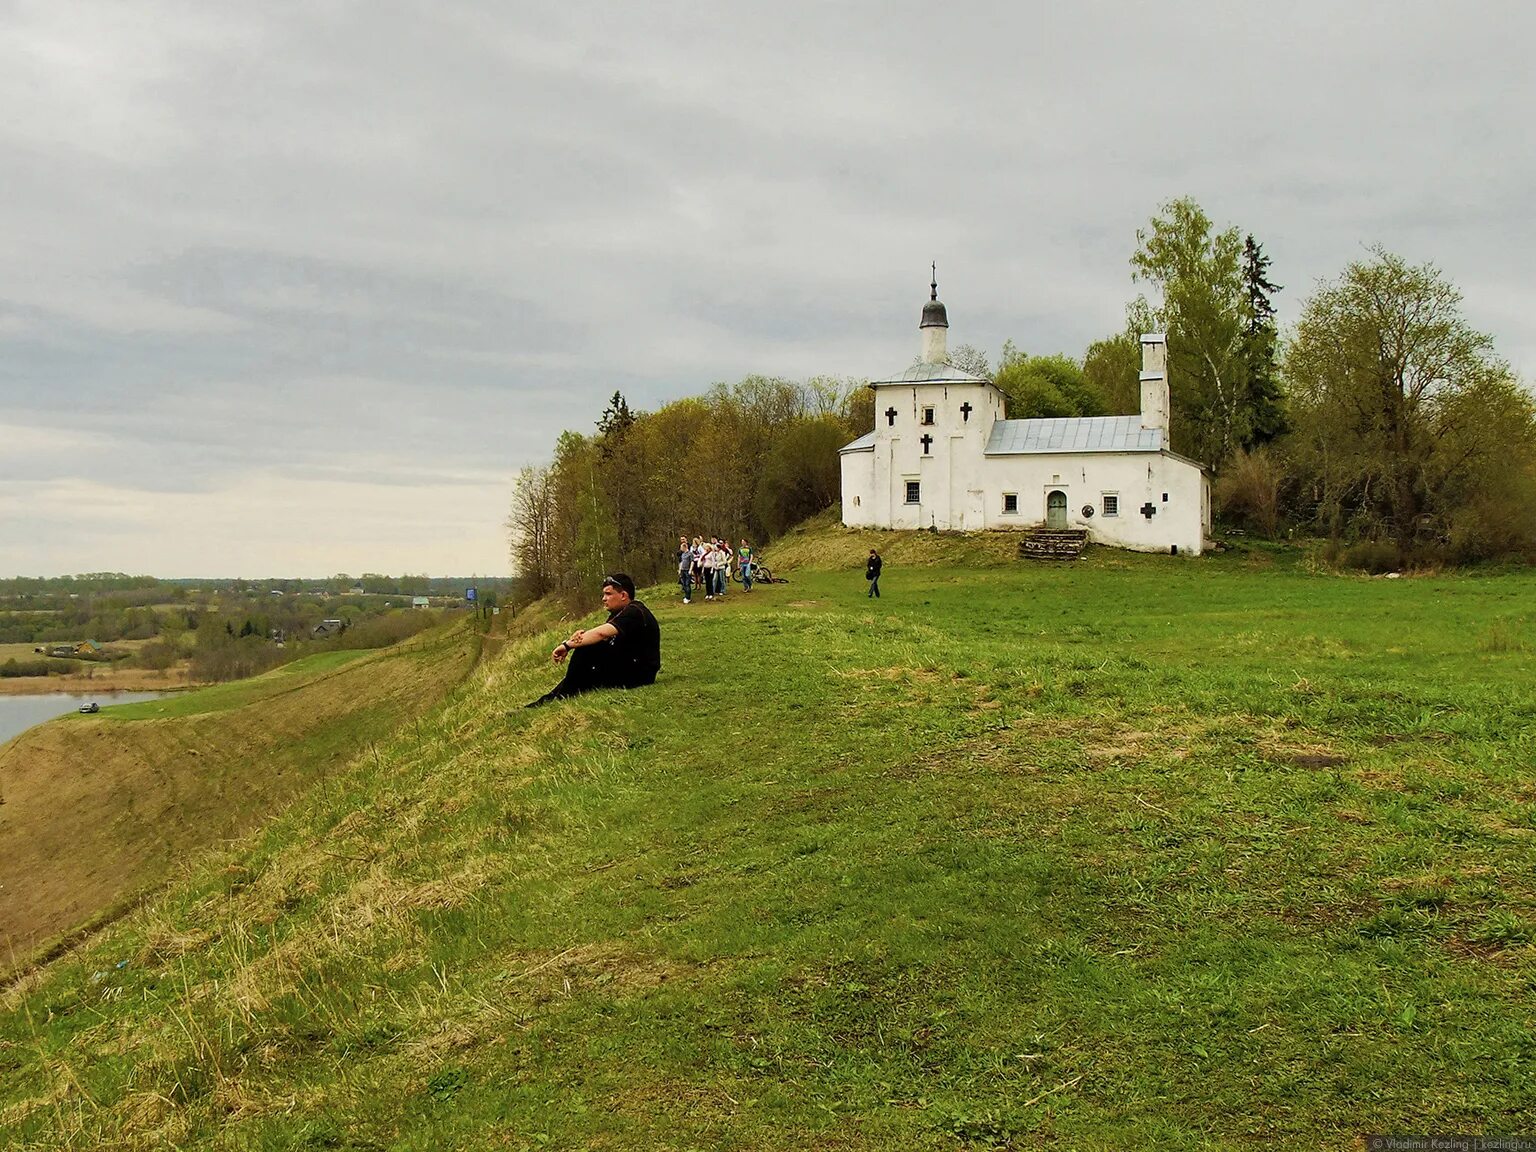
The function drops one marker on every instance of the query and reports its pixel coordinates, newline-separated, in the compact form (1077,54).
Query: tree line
(1382,422)
(743,460)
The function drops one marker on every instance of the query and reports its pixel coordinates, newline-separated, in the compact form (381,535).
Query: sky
(297,288)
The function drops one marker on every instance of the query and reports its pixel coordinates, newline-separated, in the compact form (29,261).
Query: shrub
(158,655)
(13,668)
(1248,492)
(1373,556)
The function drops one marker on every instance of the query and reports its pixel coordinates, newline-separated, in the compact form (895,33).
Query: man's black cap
(621,581)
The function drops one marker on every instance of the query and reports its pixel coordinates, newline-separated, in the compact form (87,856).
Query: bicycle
(761,574)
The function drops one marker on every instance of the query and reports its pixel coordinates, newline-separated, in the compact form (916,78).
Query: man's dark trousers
(596,666)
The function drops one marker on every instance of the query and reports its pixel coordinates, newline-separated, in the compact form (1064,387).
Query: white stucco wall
(858,483)
(946,469)
(1176,490)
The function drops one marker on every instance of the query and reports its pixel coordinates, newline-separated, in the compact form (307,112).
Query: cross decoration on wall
(965,411)
(890,417)
(1149,509)
(927,442)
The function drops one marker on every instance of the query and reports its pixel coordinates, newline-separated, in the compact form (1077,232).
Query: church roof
(864,443)
(928,373)
(1073,434)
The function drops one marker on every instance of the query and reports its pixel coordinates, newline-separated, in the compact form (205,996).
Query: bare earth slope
(94,808)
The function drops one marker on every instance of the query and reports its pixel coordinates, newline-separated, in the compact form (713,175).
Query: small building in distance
(419,602)
(944,455)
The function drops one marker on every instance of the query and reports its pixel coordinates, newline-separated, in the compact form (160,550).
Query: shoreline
(96,686)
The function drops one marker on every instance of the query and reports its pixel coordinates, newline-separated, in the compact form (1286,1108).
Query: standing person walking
(872,573)
(744,564)
(685,568)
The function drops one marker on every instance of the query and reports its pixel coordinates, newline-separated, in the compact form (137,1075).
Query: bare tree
(530,528)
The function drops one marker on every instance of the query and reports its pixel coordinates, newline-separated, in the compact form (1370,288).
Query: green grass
(1126,853)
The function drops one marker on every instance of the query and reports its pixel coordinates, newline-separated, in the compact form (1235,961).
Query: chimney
(1154,382)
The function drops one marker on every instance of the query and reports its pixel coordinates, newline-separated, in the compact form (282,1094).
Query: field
(1132,852)
(87,676)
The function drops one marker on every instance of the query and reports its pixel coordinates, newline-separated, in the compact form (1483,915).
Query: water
(18,713)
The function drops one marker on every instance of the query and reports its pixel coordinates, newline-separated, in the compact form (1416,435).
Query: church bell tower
(935,325)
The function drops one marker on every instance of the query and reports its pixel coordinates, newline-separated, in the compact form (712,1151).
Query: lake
(18,713)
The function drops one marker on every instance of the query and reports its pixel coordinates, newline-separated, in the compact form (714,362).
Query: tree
(1199,273)
(530,526)
(584,538)
(970,359)
(614,425)
(802,474)
(1263,401)
(1046,386)
(1403,412)
(857,408)
(1112,369)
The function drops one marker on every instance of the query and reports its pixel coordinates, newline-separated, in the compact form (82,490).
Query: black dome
(934,315)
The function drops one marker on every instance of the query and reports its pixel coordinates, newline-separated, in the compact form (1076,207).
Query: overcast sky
(295,289)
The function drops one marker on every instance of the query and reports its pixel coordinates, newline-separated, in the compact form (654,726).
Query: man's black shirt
(638,643)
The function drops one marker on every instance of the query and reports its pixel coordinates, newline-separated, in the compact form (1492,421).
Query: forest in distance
(1381,424)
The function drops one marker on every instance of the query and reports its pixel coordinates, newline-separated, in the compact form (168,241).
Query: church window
(913,489)
(1111,504)
(1010,503)
(928,416)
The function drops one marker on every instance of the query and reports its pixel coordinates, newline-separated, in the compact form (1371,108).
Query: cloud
(360,250)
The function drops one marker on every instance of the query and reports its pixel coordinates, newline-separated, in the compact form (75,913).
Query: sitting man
(624,652)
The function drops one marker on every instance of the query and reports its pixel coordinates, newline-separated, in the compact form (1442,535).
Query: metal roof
(864,443)
(1073,434)
(928,373)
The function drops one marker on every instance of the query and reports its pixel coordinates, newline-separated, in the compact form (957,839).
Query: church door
(1056,509)
(975,513)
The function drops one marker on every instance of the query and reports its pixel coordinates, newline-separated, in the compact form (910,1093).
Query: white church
(944,455)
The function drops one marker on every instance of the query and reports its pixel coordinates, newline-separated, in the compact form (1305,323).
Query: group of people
(710,563)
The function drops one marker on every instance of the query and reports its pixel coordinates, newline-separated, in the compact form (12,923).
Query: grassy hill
(1130,852)
(96,807)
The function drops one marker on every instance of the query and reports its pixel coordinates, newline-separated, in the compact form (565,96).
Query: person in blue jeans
(685,568)
(872,573)
(744,565)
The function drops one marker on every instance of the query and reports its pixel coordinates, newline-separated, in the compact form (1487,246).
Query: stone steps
(1053,543)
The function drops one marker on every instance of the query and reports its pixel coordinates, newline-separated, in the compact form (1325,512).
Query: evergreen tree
(1263,400)
(615,424)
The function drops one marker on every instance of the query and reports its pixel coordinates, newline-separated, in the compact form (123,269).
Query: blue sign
(469,593)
